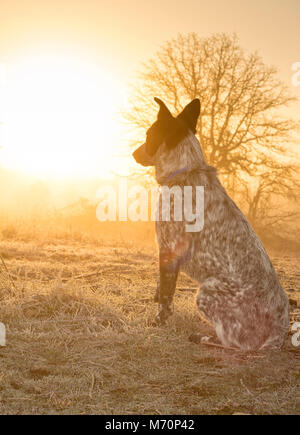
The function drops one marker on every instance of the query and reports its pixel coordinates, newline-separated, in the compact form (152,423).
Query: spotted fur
(240,294)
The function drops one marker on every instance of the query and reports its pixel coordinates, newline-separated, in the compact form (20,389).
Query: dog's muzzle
(142,157)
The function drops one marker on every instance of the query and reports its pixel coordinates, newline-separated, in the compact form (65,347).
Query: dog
(240,294)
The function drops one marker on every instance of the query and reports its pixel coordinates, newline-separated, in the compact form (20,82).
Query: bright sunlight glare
(59,117)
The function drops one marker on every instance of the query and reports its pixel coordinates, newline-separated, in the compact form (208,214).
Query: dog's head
(167,131)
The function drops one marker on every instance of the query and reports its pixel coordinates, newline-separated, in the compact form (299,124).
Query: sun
(60,117)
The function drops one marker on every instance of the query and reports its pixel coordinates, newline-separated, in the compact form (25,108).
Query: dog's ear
(190,114)
(174,129)
(164,114)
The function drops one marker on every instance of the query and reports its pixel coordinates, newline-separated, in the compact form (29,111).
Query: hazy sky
(125,32)
(120,34)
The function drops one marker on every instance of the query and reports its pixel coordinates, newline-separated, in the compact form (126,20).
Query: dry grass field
(80,338)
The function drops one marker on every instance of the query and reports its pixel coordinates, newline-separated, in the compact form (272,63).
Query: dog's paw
(164,312)
(160,319)
(199,338)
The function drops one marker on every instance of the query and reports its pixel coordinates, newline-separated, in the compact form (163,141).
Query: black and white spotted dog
(240,294)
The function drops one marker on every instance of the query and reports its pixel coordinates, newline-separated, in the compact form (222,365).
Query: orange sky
(116,36)
(124,32)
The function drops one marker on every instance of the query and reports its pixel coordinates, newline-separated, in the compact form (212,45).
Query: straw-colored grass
(80,339)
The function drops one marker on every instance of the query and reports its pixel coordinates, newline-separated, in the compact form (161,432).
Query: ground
(80,338)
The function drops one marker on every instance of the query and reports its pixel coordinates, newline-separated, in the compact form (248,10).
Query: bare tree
(270,199)
(240,96)
(241,127)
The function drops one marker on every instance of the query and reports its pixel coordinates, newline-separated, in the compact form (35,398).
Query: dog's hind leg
(168,273)
(238,322)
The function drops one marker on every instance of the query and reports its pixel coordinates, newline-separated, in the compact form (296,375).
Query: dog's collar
(175,173)
(174,176)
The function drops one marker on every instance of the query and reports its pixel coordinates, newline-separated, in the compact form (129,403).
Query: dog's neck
(185,158)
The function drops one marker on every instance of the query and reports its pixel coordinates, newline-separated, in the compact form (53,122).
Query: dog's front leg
(156,297)
(168,272)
